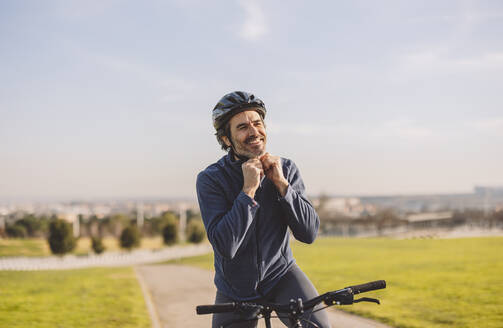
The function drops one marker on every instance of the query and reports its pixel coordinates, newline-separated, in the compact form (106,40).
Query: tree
(35,226)
(170,231)
(15,231)
(97,245)
(195,231)
(61,239)
(130,237)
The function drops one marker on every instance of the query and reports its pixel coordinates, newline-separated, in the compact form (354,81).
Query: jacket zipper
(259,265)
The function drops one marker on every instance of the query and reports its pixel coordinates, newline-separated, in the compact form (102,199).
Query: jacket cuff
(247,200)
(288,198)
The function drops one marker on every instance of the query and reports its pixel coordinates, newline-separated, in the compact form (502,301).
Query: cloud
(172,88)
(254,26)
(439,60)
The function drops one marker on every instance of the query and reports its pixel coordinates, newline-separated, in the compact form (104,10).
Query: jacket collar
(232,161)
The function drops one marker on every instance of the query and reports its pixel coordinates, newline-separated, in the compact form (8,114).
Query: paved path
(176,290)
(107,259)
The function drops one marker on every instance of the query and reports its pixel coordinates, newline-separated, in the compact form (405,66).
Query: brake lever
(367,299)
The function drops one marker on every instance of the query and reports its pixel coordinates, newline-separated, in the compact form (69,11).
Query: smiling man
(249,201)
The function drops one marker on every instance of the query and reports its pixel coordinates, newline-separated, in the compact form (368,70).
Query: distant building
(429,220)
(484,191)
(348,206)
(423,217)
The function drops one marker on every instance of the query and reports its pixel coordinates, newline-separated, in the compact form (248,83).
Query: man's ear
(226,141)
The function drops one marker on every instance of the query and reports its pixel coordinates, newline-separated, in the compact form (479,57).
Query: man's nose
(253,129)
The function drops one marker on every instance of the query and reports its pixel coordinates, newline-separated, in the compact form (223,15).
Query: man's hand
(274,172)
(252,173)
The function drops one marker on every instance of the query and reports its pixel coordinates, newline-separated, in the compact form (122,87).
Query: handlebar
(340,297)
(216,308)
(369,286)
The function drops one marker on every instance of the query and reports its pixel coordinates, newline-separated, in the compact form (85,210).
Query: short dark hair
(225,130)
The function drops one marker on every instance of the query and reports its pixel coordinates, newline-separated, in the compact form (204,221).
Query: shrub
(97,245)
(130,237)
(35,226)
(16,231)
(195,231)
(61,239)
(170,232)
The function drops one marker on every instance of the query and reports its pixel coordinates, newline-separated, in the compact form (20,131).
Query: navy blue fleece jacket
(250,237)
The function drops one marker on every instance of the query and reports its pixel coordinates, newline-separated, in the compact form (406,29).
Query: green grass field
(431,282)
(24,247)
(101,297)
(40,247)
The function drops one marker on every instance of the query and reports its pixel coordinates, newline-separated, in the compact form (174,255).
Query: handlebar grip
(378,284)
(215,308)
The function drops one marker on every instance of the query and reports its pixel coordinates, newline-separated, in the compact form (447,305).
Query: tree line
(123,227)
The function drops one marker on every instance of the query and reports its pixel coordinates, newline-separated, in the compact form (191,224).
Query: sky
(108,98)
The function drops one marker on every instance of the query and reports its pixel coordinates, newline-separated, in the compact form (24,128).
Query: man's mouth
(254,141)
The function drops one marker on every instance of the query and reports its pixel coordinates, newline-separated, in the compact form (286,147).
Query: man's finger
(265,157)
(258,164)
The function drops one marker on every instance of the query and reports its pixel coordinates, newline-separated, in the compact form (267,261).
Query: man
(248,200)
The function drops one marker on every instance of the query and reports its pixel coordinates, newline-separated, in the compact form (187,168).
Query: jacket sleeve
(227,229)
(300,214)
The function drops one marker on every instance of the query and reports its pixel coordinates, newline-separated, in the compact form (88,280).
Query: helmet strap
(233,149)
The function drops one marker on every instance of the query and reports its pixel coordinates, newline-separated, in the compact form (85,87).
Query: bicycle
(295,308)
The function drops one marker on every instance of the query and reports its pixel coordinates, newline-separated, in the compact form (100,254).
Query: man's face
(248,134)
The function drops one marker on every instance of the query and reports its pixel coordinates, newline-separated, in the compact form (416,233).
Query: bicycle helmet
(234,103)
